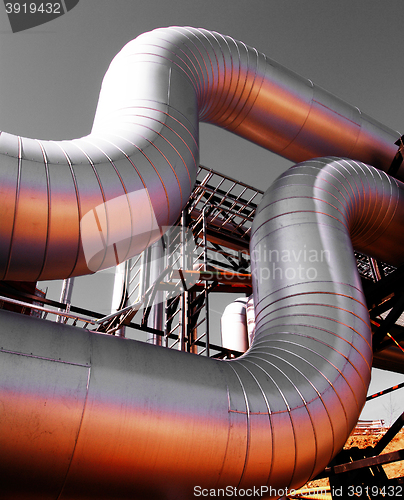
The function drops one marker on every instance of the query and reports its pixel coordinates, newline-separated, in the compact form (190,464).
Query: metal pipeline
(90,203)
(115,418)
(312,323)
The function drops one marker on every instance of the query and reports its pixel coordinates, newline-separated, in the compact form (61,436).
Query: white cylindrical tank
(233,326)
(250,317)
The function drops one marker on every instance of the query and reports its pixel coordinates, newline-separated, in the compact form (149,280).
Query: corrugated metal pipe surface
(86,204)
(313,338)
(90,416)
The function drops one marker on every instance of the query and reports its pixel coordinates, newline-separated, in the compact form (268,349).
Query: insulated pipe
(313,337)
(87,204)
(115,418)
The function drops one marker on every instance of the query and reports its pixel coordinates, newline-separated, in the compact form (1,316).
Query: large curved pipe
(115,418)
(87,204)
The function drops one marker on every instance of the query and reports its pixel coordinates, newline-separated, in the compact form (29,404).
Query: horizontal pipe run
(59,313)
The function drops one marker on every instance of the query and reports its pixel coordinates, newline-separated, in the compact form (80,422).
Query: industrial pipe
(114,418)
(91,203)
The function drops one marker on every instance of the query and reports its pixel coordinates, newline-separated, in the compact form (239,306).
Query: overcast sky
(51,75)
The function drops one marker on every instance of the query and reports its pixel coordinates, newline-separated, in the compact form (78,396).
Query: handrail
(47,310)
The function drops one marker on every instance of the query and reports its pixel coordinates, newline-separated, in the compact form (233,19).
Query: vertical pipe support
(184,296)
(66,296)
(205,268)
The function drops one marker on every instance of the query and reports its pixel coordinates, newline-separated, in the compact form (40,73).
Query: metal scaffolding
(206,252)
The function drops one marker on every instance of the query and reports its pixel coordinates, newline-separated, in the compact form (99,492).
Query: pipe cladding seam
(312,323)
(152,422)
(138,165)
(155,423)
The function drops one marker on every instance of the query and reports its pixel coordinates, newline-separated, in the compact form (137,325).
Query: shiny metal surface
(147,422)
(64,198)
(312,326)
(114,418)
